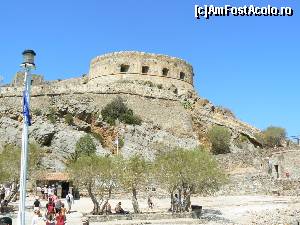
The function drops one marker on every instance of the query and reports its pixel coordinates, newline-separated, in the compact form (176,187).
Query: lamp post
(27,65)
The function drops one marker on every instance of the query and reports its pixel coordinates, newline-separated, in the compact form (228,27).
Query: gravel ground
(231,210)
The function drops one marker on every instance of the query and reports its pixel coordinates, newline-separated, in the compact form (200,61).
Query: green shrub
(117,109)
(186,104)
(273,136)
(69,119)
(51,118)
(220,139)
(85,146)
(130,118)
(240,140)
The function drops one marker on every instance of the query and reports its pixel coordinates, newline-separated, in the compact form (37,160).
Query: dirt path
(243,210)
(216,210)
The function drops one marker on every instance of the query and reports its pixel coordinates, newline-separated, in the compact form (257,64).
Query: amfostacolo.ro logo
(206,11)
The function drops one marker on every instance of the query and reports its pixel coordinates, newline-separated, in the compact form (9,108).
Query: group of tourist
(56,211)
(46,191)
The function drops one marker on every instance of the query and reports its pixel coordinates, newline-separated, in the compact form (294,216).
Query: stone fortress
(151,76)
(129,65)
(157,88)
(141,66)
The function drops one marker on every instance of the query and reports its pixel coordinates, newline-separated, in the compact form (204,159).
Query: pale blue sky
(248,64)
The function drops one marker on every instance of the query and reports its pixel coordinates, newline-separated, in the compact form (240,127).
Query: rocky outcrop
(42,132)
(170,118)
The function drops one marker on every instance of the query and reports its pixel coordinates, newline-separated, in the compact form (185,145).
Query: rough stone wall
(19,79)
(287,161)
(161,99)
(141,66)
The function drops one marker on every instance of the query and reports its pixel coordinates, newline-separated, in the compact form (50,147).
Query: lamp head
(28,58)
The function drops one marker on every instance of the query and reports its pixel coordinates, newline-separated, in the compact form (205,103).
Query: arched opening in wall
(145,69)
(165,71)
(182,75)
(124,68)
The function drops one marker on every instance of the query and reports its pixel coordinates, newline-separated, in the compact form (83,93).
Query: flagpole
(27,65)
(24,157)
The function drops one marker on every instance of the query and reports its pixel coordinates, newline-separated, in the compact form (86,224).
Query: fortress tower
(132,65)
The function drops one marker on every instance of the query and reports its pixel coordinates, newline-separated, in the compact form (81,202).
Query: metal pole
(24,156)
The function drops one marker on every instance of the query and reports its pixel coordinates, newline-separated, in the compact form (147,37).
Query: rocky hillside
(170,118)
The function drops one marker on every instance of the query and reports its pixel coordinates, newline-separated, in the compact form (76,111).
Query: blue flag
(26,111)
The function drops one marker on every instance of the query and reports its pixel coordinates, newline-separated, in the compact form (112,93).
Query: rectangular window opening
(165,71)
(145,69)
(182,75)
(124,68)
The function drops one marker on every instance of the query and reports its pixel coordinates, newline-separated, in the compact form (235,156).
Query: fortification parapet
(19,79)
(135,65)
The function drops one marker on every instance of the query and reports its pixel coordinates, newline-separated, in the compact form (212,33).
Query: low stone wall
(141,216)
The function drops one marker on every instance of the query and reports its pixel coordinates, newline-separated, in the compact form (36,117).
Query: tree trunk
(172,201)
(94,200)
(14,192)
(103,206)
(110,191)
(135,203)
(187,202)
(179,198)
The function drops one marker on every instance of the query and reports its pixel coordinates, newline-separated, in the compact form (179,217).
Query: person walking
(49,192)
(70,201)
(58,205)
(43,192)
(50,206)
(36,204)
(46,192)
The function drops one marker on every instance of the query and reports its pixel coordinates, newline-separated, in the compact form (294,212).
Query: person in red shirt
(60,218)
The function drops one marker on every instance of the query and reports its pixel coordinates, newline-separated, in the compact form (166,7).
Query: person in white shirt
(46,192)
(36,218)
(70,201)
(49,191)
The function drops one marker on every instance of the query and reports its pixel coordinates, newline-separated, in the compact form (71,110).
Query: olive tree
(186,172)
(97,175)
(273,136)
(133,174)
(10,162)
